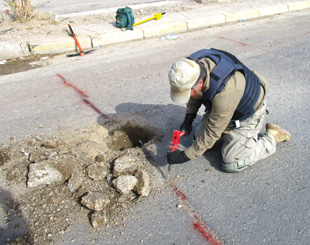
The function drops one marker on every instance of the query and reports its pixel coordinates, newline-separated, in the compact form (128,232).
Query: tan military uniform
(241,147)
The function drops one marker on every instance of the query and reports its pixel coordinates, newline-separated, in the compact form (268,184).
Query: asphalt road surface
(267,204)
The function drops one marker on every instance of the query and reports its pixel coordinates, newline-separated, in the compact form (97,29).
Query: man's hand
(187,124)
(177,156)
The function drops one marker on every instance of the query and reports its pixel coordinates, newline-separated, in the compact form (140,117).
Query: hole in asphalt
(130,135)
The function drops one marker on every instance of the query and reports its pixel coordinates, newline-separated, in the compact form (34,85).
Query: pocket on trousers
(248,143)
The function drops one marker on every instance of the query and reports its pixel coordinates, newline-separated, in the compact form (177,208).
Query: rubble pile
(95,174)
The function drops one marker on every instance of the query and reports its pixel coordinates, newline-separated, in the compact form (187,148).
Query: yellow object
(156,17)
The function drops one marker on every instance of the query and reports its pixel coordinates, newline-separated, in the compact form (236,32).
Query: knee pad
(236,167)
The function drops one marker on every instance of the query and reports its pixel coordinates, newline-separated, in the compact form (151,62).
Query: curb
(116,37)
(177,24)
(67,45)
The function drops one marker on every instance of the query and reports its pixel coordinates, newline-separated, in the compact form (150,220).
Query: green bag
(124,18)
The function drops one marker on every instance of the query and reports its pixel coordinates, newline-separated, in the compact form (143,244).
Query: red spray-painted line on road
(91,105)
(83,96)
(241,43)
(80,92)
(205,231)
(198,223)
(178,192)
(199,227)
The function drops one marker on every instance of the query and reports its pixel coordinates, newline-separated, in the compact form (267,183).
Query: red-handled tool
(176,139)
(76,41)
(173,146)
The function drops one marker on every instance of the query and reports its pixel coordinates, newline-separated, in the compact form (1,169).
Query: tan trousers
(243,147)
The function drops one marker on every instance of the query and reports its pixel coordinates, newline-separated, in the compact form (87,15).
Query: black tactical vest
(226,66)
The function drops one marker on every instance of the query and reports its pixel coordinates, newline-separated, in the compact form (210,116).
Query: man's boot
(279,134)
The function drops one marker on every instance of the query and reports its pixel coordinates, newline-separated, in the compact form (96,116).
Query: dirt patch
(51,25)
(85,160)
(21,64)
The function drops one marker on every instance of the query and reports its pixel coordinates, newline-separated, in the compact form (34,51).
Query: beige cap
(182,77)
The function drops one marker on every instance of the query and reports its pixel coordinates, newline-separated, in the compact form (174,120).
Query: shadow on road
(15,229)
(165,118)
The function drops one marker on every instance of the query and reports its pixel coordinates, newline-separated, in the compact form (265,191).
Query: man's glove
(187,124)
(177,156)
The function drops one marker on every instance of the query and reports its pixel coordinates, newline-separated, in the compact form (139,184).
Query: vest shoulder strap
(224,69)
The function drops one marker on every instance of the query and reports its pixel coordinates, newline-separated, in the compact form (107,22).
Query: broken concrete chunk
(125,183)
(97,172)
(74,183)
(40,154)
(106,156)
(125,165)
(51,144)
(98,219)
(43,173)
(143,186)
(98,134)
(95,201)
(89,148)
